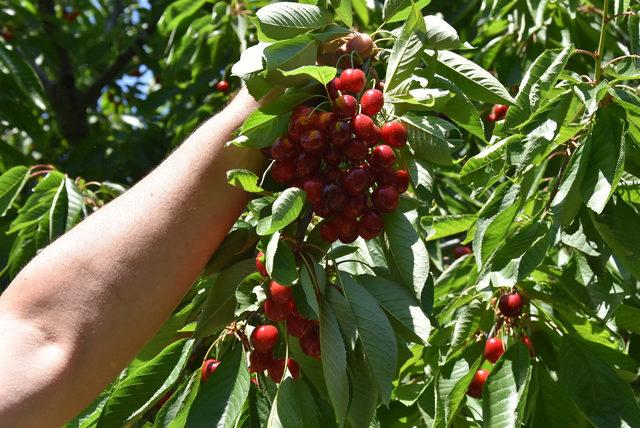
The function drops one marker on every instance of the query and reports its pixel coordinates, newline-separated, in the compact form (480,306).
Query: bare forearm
(105,287)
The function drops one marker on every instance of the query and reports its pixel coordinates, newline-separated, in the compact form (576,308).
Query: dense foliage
(503,290)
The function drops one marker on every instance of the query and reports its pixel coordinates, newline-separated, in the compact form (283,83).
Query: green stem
(600,51)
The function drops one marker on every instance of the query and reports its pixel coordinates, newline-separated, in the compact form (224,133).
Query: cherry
(500,111)
(276,369)
(340,133)
(477,383)
(371,102)
(356,180)
(353,80)
(356,149)
(70,16)
(313,142)
(402,180)
(313,187)
(7,34)
(327,233)
(333,87)
(526,340)
(383,157)
(510,305)
(380,85)
(307,165)
(362,126)
(260,361)
(222,86)
(385,198)
(333,156)
(283,149)
(260,266)
(297,326)
(334,175)
(493,349)
(345,106)
(276,311)
(355,206)
(372,222)
(299,124)
(374,138)
(491,117)
(322,209)
(394,134)
(208,367)
(264,337)
(461,250)
(283,172)
(294,368)
(310,343)
(361,43)
(301,110)
(280,294)
(346,228)
(334,196)
(324,121)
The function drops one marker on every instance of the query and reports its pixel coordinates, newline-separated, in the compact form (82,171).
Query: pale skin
(79,312)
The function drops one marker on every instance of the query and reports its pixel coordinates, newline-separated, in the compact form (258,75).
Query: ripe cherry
(301,110)
(284,149)
(346,228)
(493,349)
(340,133)
(299,124)
(372,102)
(367,234)
(307,165)
(297,326)
(333,157)
(402,180)
(333,87)
(327,233)
(374,138)
(526,340)
(362,126)
(354,206)
(510,304)
(313,142)
(222,86)
(283,172)
(310,343)
(356,149)
(276,369)
(334,196)
(385,198)
(7,34)
(356,180)
(372,222)
(477,383)
(361,43)
(461,251)
(260,266)
(383,157)
(324,121)
(260,361)
(276,311)
(313,187)
(499,111)
(208,368)
(353,80)
(345,106)
(322,209)
(491,117)
(264,337)
(394,134)
(280,294)
(334,175)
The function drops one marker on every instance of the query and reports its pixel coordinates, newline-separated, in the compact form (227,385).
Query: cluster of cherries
(498,112)
(343,160)
(510,307)
(280,307)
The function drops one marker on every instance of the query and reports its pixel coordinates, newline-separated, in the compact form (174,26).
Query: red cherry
(260,264)
(310,344)
(334,196)
(307,165)
(510,305)
(402,180)
(372,221)
(491,117)
(264,337)
(340,133)
(362,126)
(493,349)
(394,134)
(322,209)
(500,111)
(345,106)
(280,294)
(298,327)
(477,383)
(372,102)
(383,157)
(301,110)
(346,228)
(208,367)
(324,121)
(334,175)
(333,156)
(313,142)
(361,43)
(283,172)
(283,149)
(374,138)
(527,342)
(313,187)
(266,152)
(294,368)
(299,125)
(7,34)
(385,198)
(461,250)
(222,86)
(276,369)
(353,80)
(276,311)
(333,87)
(259,361)
(355,206)
(356,149)
(356,180)
(367,234)
(327,233)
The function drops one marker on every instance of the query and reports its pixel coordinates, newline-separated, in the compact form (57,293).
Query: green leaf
(460,108)
(400,10)
(23,75)
(11,184)
(286,209)
(364,398)
(290,54)
(280,261)
(178,12)
(474,81)
(536,83)
(284,20)
(334,362)
(251,61)
(293,406)
(376,335)
(174,412)
(588,379)
(344,11)
(440,35)
(506,389)
(442,226)
(427,135)
(486,167)
(606,161)
(244,179)
(407,253)
(220,400)
(567,201)
(628,318)
(406,52)
(321,74)
(148,383)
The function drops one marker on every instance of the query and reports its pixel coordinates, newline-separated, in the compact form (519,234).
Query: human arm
(82,308)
